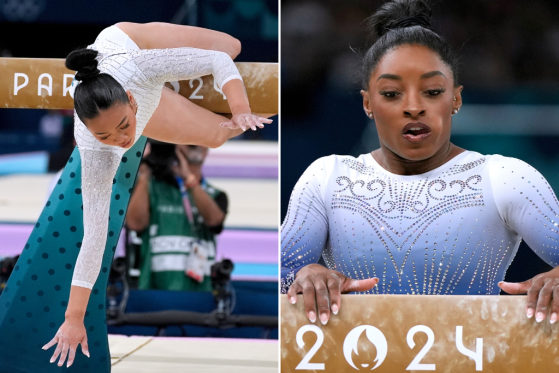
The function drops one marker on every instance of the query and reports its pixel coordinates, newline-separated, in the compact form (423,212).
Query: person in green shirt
(177,214)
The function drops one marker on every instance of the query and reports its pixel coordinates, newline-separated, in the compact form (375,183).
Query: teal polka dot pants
(34,301)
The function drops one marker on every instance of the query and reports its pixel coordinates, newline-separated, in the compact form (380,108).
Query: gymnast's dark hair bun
(398,14)
(401,22)
(84,62)
(97,91)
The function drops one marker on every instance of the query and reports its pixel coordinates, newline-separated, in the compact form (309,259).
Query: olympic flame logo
(374,336)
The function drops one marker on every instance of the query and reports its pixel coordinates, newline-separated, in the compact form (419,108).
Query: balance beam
(47,84)
(401,333)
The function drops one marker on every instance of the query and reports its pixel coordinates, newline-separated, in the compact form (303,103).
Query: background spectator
(178,214)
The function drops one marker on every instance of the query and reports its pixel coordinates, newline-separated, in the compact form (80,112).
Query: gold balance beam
(402,333)
(47,84)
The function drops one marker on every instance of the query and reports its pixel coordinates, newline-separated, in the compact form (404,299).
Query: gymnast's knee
(235,47)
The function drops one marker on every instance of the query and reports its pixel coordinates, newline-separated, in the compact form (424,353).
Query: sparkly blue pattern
(453,230)
(287,278)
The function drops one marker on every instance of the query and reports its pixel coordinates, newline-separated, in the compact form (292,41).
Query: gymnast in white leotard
(419,215)
(119,96)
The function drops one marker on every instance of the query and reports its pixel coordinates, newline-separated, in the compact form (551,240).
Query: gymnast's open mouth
(416,131)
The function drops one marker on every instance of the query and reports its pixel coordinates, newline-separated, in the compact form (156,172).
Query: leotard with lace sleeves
(143,72)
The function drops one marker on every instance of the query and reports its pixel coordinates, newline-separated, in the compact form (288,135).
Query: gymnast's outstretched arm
(96,191)
(176,120)
(528,206)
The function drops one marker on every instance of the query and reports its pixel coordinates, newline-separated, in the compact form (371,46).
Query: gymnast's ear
(458,97)
(366,102)
(131,98)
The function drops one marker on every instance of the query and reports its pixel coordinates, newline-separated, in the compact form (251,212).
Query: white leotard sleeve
(98,170)
(527,205)
(304,232)
(165,65)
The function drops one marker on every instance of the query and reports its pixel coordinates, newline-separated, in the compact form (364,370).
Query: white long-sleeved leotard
(144,73)
(452,230)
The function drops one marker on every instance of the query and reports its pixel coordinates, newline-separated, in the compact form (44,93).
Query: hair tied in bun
(415,20)
(393,25)
(96,91)
(84,61)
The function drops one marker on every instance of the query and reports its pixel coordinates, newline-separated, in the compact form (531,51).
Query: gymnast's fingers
(533,293)
(515,287)
(57,352)
(240,122)
(309,299)
(544,299)
(64,353)
(72,355)
(264,120)
(350,285)
(85,347)
(245,122)
(294,289)
(335,292)
(253,123)
(228,124)
(258,121)
(322,300)
(51,343)
(554,306)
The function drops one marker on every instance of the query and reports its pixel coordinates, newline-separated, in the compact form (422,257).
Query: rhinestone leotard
(453,230)
(144,73)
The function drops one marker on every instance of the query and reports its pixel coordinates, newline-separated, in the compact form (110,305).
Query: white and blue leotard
(452,230)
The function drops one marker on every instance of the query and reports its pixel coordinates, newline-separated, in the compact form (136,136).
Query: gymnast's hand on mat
(246,121)
(543,292)
(322,287)
(70,334)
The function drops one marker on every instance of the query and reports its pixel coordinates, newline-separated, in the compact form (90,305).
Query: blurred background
(509,52)
(35,144)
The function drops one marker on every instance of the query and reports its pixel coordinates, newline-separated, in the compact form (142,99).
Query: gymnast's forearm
(237,99)
(77,305)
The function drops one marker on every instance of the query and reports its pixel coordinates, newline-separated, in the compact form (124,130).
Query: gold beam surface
(402,333)
(46,84)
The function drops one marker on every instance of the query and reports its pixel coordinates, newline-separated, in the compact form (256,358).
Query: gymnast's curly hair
(400,22)
(97,91)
